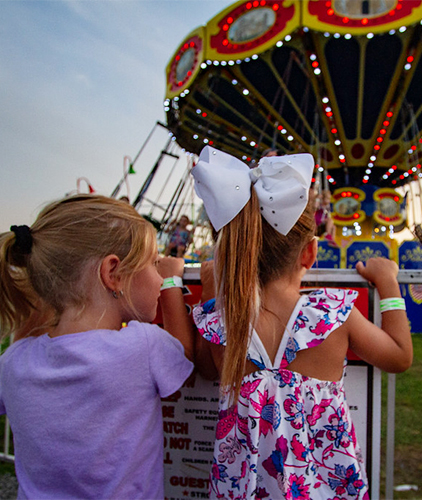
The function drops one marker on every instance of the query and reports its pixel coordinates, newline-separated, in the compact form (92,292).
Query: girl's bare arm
(389,347)
(208,358)
(176,319)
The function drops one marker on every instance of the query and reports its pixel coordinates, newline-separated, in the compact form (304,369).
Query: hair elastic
(173,282)
(23,238)
(392,304)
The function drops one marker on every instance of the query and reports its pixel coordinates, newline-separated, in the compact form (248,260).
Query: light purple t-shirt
(85,411)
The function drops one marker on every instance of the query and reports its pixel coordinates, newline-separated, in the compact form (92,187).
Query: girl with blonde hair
(83,395)
(284,427)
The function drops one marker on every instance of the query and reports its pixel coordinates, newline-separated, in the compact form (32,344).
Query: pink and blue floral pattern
(289,436)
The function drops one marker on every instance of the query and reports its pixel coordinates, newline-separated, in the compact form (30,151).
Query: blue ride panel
(364,250)
(410,257)
(328,256)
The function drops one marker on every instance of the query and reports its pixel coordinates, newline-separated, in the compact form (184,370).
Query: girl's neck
(100,317)
(282,290)
(279,298)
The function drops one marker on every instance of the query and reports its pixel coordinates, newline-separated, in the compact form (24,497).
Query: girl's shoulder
(326,300)
(319,312)
(156,339)
(149,332)
(165,356)
(208,321)
(16,346)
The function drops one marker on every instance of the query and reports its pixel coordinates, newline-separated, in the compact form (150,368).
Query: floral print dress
(289,436)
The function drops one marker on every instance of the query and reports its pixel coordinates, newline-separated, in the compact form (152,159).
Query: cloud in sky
(82,85)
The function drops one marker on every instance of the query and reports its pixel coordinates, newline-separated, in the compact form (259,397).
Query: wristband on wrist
(392,304)
(173,282)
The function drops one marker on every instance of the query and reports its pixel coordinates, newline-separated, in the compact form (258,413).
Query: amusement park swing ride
(340,79)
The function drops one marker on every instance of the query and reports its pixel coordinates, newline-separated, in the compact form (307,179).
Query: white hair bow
(281,182)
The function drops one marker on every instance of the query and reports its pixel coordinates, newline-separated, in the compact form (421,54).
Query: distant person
(284,428)
(180,237)
(268,153)
(84,398)
(325,227)
(124,198)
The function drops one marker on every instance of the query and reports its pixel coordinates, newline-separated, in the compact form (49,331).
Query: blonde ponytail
(16,294)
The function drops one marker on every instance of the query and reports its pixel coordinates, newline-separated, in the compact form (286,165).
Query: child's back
(80,406)
(292,433)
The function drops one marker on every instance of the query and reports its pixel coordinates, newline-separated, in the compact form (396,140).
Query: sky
(82,85)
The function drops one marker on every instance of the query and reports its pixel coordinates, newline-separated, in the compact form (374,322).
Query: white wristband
(173,282)
(392,304)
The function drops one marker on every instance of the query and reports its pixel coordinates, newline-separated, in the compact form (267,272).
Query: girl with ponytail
(284,427)
(81,390)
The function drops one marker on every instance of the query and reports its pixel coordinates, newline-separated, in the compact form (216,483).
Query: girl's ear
(309,254)
(109,272)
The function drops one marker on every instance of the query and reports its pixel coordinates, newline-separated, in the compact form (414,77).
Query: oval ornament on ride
(185,64)
(354,16)
(248,28)
(252,25)
(358,9)
(347,206)
(388,207)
